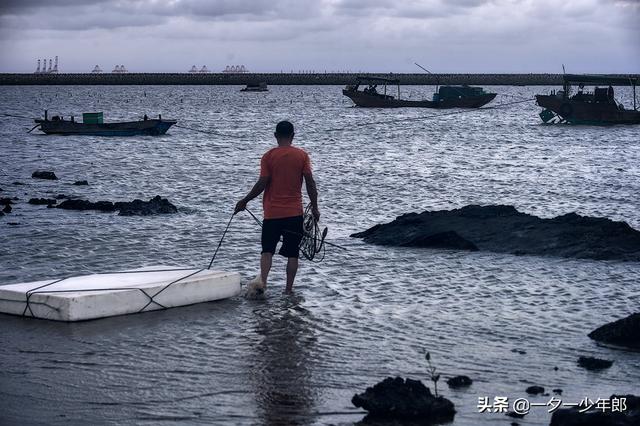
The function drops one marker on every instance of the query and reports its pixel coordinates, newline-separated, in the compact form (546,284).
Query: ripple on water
(360,315)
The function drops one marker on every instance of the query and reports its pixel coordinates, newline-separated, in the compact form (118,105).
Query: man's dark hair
(284,129)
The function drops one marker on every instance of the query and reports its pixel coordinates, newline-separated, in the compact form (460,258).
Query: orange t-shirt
(285,165)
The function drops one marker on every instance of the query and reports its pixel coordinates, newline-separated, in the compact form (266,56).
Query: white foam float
(109,294)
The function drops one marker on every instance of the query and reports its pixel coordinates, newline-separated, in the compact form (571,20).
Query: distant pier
(275,79)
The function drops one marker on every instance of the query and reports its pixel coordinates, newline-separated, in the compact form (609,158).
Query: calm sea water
(357,317)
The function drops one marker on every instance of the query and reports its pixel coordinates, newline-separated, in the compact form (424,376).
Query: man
(282,170)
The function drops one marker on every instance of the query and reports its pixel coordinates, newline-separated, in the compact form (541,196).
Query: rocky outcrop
(401,399)
(5,201)
(591,363)
(156,205)
(7,208)
(42,201)
(81,183)
(599,417)
(43,174)
(504,229)
(103,206)
(459,382)
(623,332)
(535,390)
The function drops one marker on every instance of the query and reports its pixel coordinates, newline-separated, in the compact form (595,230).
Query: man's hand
(240,205)
(316,213)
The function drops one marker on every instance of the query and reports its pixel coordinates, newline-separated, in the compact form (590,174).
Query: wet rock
(401,399)
(623,332)
(156,205)
(18,183)
(7,209)
(535,390)
(5,201)
(598,417)
(518,351)
(103,206)
(42,201)
(1,213)
(459,382)
(43,174)
(504,229)
(557,391)
(591,363)
(81,182)
(442,240)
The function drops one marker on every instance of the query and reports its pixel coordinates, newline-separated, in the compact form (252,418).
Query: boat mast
(437,79)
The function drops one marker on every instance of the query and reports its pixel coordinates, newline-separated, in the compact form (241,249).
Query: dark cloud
(379,35)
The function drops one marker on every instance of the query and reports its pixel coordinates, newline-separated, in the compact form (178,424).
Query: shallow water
(357,317)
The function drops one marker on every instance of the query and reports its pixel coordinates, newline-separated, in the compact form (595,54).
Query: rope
(221,239)
(206,132)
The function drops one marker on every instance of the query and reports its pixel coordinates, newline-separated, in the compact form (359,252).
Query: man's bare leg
(265,267)
(292,269)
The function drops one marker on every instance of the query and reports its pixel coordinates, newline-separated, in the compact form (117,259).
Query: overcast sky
(598,36)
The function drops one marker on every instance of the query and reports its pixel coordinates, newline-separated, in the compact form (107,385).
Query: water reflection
(283,361)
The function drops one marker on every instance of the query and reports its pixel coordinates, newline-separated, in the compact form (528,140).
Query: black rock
(557,391)
(623,332)
(514,415)
(1,213)
(591,363)
(5,201)
(7,209)
(598,417)
(459,382)
(156,205)
(404,400)
(103,206)
(42,201)
(43,174)
(504,229)
(80,182)
(442,240)
(535,390)
(18,183)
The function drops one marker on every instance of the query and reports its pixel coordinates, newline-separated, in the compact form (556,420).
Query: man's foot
(255,288)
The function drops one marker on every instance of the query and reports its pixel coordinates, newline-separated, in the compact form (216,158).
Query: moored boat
(598,107)
(445,97)
(93,125)
(255,87)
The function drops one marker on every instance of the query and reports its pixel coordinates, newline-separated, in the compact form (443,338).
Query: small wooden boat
(445,97)
(598,107)
(93,125)
(255,87)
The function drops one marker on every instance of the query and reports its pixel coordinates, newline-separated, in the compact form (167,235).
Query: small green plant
(432,372)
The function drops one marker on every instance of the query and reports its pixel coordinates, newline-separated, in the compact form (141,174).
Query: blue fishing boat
(93,125)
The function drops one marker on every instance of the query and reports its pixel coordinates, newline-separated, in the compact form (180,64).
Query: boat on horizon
(445,97)
(255,87)
(93,125)
(598,107)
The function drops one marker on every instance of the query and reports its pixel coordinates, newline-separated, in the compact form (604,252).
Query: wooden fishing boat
(93,125)
(445,97)
(598,107)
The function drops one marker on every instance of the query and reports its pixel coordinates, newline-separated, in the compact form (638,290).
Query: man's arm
(312,192)
(257,189)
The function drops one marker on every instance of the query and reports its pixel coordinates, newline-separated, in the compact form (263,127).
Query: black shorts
(289,228)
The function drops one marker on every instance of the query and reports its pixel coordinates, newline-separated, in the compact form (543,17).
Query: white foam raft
(104,295)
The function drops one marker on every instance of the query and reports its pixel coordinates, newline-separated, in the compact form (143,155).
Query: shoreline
(278,79)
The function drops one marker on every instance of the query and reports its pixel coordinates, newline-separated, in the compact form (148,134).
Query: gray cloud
(378,35)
